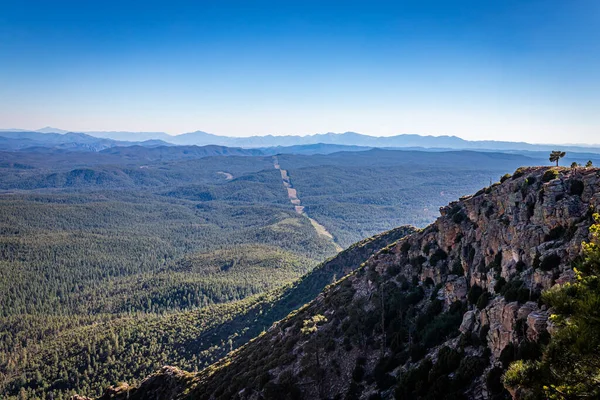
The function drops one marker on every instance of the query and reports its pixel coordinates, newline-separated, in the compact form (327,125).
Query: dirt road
(293,196)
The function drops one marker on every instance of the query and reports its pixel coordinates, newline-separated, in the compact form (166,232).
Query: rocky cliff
(437,314)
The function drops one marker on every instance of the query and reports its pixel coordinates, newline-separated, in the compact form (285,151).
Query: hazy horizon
(597,144)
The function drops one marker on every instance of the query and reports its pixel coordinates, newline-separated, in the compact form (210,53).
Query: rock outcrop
(438,314)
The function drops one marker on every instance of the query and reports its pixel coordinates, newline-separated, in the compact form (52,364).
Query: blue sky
(505,70)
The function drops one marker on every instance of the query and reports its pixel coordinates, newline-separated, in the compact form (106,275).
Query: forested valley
(116,263)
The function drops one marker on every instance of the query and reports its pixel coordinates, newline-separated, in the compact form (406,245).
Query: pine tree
(556,155)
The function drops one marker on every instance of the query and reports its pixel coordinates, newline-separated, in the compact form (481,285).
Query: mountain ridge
(73,141)
(345,138)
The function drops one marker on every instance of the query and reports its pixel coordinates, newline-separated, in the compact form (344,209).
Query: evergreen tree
(556,155)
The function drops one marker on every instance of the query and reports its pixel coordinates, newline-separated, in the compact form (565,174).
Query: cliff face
(438,314)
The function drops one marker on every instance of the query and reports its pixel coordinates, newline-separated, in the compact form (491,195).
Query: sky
(526,70)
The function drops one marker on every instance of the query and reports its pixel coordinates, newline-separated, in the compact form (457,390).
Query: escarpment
(438,314)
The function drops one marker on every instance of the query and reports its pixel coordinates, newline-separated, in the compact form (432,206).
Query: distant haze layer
(343,140)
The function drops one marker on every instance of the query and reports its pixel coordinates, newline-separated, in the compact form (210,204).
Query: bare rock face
(526,309)
(507,323)
(468,322)
(455,289)
(523,233)
(537,324)
(501,318)
(523,230)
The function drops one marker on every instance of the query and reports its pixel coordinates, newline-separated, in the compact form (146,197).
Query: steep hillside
(438,314)
(278,303)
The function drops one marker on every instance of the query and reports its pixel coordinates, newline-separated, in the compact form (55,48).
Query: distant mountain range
(199,138)
(357,139)
(20,139)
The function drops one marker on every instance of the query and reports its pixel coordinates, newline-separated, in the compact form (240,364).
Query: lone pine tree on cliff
(556,155)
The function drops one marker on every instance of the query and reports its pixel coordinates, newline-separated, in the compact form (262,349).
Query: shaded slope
(280,303)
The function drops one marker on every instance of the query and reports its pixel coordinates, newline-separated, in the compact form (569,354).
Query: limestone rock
(455,290)
(537,323)
(468,322)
